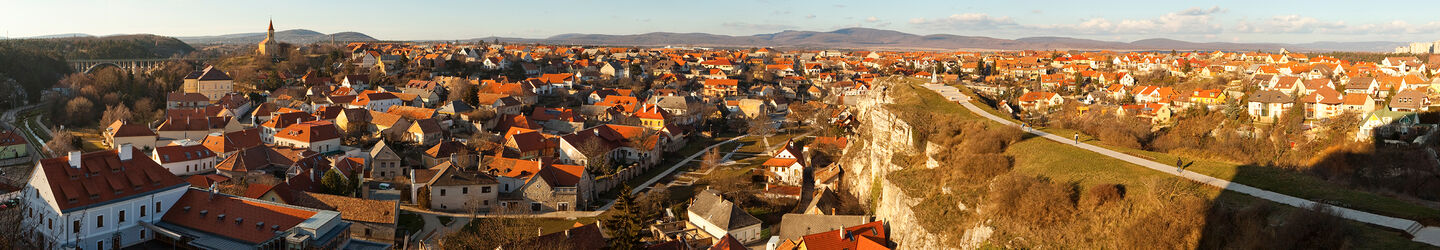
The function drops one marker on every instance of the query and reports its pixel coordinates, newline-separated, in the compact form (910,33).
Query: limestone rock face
(879,136)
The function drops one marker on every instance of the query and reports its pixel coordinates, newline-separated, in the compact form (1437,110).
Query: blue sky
(1222,21)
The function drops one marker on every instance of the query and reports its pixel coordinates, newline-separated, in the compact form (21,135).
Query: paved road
(1428,235)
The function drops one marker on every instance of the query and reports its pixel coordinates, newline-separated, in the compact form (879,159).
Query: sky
(1201,21)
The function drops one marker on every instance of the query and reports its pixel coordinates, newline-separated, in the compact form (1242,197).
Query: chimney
(126,151)
(75,159)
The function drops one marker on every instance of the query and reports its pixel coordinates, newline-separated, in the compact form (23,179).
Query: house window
(122,216)
(442,192)
(99,221)
(100,245)
(484,190)
(464,190)
(367,232)
(564,206)
(534,206)
(157,207)
(76,226)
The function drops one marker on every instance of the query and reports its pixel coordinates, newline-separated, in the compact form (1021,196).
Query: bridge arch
(97,66)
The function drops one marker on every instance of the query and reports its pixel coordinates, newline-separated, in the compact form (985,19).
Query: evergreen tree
(334,183)
(625,223)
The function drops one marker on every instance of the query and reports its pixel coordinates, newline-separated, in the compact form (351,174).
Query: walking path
(1423,234)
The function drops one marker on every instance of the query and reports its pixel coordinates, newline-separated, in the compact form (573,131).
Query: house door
(115,241)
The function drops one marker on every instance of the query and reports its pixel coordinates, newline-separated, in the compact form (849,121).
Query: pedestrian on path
(1077,138)
(1179,165)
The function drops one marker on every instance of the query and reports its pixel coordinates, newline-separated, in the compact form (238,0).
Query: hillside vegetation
(35,71)
(1038,193)
(109,47)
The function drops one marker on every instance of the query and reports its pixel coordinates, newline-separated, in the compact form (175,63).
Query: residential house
(425,132)
(623,144)
(318,136)
(1040,101)
(1268,105)
(452,188)
(176,100)
(558,187)
(123,132)
(717,216)
(1410,100)
(1385,123)
(787,166)
(188,159)
(1359,103)
(384,163)
(1323,103)
(13,145)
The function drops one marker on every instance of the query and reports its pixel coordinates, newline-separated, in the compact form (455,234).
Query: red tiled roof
(231,141)
(103,177)
(559,175)
(252,211)
(848,238)
(123,128)
(8,138)
(204,181)
(181,153)
(311,131)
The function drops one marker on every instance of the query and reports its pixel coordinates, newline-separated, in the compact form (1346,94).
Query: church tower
(269,45)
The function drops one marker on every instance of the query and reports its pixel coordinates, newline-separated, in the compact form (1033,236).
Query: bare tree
(710,159)
(62,142)
(761,126)
(79,107)
(13,233)
(115,113)
(598,156)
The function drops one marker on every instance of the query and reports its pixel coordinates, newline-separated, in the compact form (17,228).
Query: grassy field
(1280,180)
(1062,163)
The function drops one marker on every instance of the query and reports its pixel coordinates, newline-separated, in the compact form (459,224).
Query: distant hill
(106,47)
(295,36)
(866,38)
(66,35)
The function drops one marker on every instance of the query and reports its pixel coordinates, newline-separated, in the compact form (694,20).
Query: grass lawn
(410,222)
(1066,164)
(1280,180)
(90,138)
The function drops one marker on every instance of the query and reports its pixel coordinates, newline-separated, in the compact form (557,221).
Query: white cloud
(810,16)
(966,21)
(872,19)
(1188,21)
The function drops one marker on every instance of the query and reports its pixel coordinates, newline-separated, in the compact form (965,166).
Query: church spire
(272,25)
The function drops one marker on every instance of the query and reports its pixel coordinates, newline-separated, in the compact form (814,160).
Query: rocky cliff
(879,139)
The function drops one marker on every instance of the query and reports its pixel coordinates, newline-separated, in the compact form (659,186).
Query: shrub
(1030,201)
(1102,194)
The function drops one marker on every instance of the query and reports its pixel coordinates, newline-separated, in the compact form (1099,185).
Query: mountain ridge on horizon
(869,38)
(846,38)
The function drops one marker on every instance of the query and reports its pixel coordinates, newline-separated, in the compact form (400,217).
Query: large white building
(115,199)
(98,200)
